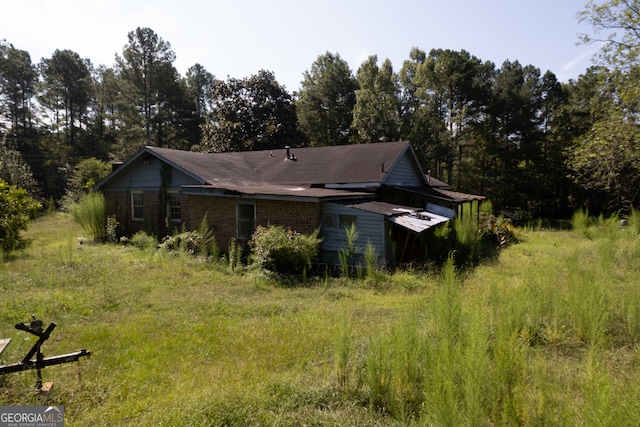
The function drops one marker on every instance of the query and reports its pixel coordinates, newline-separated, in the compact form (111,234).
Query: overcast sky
(240,37)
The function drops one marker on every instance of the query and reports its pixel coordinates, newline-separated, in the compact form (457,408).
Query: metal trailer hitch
(40,362)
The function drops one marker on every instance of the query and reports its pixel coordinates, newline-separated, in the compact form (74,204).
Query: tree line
(534,145)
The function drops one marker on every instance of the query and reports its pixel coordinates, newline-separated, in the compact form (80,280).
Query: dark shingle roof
(364,163)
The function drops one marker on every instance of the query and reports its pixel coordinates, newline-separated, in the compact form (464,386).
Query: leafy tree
(254,113)
(620,19)
(15,171)
(326,100)
(605,160)
(376,115)
(608,153)
(86,174)
(16,208)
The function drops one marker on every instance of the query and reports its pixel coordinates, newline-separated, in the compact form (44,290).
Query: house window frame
(137,209)
(244,222)
(174,210)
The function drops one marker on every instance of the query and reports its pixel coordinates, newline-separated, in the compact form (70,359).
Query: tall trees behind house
(511,132)
(376,114)
(326,101)
(150,93)
(254,113)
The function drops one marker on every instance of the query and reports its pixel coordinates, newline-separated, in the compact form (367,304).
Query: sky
(238,38)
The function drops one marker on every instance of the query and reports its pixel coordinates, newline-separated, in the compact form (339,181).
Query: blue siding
(146,175)
(370,227)
(405,172)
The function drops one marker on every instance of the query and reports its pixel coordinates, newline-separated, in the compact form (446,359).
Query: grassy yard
(548,334)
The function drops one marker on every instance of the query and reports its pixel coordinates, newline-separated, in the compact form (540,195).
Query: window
(174,212)
(246,214)
(137,206)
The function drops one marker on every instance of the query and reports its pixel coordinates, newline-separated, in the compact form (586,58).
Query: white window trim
(173,192)
(133,210)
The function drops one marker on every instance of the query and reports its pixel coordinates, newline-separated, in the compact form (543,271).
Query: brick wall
(302,217)
(118,203)
(221,215)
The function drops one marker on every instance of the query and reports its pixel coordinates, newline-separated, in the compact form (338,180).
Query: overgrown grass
(546,334)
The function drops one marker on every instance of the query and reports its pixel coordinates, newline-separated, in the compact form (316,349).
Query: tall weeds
(89,212)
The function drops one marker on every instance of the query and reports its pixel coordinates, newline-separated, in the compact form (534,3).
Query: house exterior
(379,187)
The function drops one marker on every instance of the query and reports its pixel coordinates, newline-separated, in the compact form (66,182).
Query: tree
(150,89)
(18,77)
(455,87)
(608,153)
(514,142)
(85,175)
(15,171)
(68,92)
(418,123)
(376,115)
(105,122)
(559,128)
(611,17)
(200,84)
(16,208)
(326,101)
(254,113)
(605,159)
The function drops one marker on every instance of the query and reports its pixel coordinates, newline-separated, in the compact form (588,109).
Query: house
(380,187)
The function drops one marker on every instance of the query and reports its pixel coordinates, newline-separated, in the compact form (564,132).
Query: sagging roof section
(410,218)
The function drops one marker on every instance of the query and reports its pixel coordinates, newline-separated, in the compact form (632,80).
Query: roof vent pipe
(288,155)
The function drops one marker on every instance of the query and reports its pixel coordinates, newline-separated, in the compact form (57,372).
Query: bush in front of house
(143,241)
(284,251)
(201,241)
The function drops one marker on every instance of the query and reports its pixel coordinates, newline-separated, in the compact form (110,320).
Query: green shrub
(89,212)
(16,208)
(142,240)
(284,251)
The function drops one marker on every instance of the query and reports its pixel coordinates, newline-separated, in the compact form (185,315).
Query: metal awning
(418,221)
